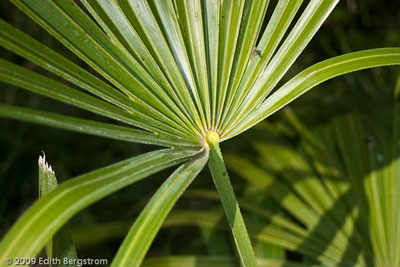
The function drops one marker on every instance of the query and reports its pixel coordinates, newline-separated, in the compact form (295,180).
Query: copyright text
(56,261)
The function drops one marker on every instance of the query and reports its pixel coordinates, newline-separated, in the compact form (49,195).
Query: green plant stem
(231,206)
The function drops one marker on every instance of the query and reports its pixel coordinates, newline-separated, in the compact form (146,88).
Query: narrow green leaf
(228,199)
(252,20)
(322,145)
(230,21)
(25,46)
(34,51)
(250,207)
(304,183)
(315,75)
(191,22)
(301,34)
(34,82)
(253,174)
(357,160)
(112,19)
(168,50)
(281,232)
(146,226)
(61,244)
(168,19)
(211,23)
(69,24)
(36,226)
(264,232)
(278,24)
(89,126)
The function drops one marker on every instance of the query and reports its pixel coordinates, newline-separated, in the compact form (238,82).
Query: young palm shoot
(183,74)
(61,245)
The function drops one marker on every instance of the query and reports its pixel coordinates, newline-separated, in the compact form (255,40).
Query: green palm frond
(47,215)
(173,72)
(340,186)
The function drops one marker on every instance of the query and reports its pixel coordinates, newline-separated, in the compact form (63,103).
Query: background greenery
(99,230)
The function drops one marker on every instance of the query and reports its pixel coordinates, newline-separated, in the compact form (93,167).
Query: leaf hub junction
(212,138)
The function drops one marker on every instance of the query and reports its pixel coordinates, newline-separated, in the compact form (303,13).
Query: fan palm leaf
(184,74)
(340,187)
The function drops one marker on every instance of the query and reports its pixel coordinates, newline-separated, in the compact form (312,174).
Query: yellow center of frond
(212,137)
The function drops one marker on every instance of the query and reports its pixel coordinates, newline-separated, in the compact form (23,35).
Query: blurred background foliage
(194,227)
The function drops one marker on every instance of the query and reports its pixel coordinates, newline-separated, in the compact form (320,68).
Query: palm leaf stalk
(338,189)
(174,72)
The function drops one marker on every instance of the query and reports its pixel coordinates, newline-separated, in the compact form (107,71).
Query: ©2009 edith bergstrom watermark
(56,261)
